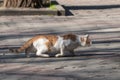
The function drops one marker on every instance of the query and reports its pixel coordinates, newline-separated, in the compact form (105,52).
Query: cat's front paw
(58,55)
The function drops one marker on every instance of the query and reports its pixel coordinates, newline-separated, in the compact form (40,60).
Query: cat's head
(85,40)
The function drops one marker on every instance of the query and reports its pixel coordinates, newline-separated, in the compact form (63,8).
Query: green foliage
(52,6)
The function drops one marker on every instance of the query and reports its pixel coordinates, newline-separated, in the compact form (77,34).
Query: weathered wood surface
(98,62)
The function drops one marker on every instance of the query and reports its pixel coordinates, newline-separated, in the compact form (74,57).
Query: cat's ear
(87,36)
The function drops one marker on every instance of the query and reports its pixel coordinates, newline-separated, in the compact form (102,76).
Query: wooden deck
(101,61)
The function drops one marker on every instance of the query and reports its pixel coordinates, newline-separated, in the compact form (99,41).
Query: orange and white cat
(42,44)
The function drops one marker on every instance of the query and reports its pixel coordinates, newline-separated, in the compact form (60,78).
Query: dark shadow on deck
(89,7)
(93,7)
(80,55)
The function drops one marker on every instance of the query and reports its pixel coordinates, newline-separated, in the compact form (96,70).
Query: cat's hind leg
(41,52)
(27,51)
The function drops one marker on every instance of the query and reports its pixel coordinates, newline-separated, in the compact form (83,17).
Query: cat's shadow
(81,53)
(20,56)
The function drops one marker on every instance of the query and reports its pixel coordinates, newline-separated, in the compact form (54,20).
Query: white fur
(58,43)
(40,46)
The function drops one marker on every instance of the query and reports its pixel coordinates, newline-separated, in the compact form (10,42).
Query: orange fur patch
(69,36)
(52,40)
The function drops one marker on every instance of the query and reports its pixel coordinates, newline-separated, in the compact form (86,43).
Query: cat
(43,44)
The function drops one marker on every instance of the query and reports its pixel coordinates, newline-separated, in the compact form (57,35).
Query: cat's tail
(22,48)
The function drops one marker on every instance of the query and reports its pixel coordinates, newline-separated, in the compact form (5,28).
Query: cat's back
(66,40)
(43,37)
(48,40)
